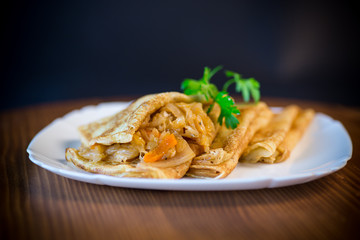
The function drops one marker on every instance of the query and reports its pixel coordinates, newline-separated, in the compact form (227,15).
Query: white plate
(324,149)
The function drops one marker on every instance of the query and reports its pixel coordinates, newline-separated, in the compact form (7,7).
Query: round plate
(324,149)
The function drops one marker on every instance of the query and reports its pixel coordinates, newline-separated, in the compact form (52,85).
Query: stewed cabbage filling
(168,137)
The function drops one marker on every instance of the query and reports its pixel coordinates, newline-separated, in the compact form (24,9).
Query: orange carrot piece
(168,142)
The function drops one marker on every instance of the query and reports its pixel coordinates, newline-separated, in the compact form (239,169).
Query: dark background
(80,49)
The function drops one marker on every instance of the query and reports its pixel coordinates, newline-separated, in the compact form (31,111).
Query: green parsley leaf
(209,92)
(202,87)
(247,86)
(228,108)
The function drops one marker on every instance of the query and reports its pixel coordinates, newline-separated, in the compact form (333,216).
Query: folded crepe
(294,135)
(229,144)
(157,136)
(274,142)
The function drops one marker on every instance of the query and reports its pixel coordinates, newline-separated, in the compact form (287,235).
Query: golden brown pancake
(274,142)
(121,127)
(157,136)
(229,144)
(293,136)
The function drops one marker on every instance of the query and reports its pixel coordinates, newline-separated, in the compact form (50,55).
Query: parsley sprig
(247,86)
(209,92)
(202,87)
(228,109)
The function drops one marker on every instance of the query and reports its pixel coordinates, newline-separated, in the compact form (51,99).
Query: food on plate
(274,142)
(229,144)
(201,134)
(157,136)
(294,135)
(264,143)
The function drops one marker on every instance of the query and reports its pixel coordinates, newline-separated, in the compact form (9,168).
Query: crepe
(121,127)
(229,144)
(157,136)
(274,142)
(294,135)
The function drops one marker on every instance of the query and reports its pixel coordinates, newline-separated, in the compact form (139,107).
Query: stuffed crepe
(157,136)
(229,144)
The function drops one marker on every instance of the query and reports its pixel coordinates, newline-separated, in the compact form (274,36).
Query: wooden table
(37,204)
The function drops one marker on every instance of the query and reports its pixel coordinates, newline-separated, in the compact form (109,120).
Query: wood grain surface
(37,204)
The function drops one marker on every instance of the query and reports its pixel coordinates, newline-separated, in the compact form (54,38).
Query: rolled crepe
(294,135)
(266,141)
(157,136)
(228,144)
